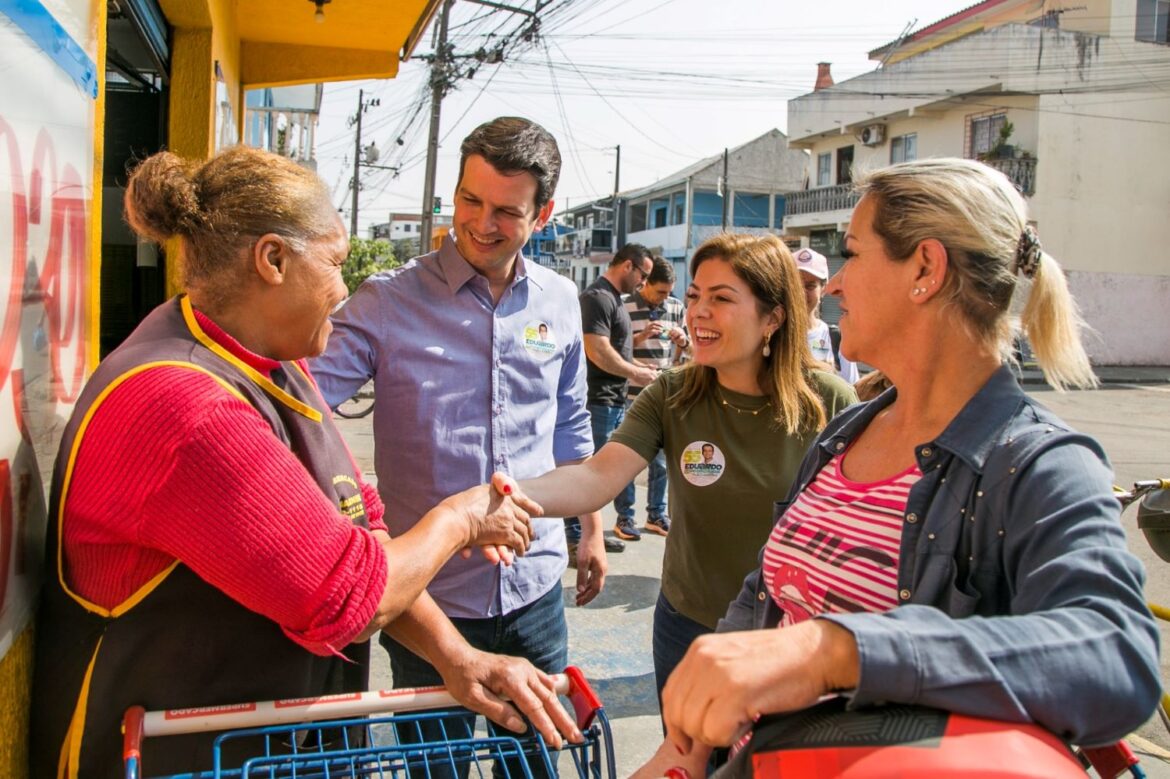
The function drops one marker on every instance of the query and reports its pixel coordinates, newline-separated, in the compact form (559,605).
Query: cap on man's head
(812,262)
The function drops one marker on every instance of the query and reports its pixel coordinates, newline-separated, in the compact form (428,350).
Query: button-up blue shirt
(465,387)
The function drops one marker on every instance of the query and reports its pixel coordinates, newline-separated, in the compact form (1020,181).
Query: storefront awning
(282,42)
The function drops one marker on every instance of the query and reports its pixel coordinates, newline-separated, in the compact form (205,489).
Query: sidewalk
(1110,374)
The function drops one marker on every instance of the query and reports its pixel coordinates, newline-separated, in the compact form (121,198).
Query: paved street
(610,639)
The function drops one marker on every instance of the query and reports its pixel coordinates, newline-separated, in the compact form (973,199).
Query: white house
(586,244)
(403,227)
(1085,92)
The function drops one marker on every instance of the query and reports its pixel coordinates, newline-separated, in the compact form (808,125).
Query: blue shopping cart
(359,735)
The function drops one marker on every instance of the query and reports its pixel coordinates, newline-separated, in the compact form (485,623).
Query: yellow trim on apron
(297,364)
(70,760)
(265,383)
(145,589)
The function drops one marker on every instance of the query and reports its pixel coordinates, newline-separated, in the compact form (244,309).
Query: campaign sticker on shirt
(702,463)
(539,339)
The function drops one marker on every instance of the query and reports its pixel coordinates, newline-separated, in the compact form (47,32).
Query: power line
(565,121)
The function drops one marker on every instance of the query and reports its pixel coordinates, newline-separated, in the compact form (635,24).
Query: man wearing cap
(823,339)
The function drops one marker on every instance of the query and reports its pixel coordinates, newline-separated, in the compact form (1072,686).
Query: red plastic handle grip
(585,702)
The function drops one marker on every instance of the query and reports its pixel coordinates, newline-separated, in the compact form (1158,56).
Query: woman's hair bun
(161,200)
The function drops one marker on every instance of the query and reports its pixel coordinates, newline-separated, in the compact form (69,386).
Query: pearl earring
(767,348)
(918,290)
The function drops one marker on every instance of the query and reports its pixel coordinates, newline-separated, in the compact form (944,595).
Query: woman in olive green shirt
(734,423)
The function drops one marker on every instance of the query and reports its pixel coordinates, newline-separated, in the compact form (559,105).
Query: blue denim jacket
(1018,599)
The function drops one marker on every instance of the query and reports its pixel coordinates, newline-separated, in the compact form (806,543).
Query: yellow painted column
(16,681)
(94,267)
(192,113)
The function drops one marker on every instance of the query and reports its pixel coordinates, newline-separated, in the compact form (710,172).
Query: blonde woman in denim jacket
(1009,592)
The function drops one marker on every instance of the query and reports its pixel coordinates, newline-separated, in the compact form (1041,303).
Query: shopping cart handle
(585,702)
(138,724)
(132,740)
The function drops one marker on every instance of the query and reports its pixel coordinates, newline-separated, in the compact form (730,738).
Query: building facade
(742,190)
(407,228)
(284,120)
(586,244)
(1072,105)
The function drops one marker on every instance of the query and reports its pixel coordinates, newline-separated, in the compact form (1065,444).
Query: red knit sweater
(173,466)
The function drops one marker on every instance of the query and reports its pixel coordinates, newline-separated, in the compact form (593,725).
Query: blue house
(542,247)
(674,215)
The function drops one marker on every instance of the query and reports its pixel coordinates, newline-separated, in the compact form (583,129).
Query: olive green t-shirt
(726,467)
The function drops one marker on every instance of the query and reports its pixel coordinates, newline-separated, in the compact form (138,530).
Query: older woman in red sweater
(211,537)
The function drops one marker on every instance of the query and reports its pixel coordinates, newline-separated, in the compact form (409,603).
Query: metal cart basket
(357,735)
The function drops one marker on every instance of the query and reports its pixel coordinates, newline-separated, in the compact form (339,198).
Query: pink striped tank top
(836,548)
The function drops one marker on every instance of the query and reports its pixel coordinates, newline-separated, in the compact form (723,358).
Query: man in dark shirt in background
(609,350)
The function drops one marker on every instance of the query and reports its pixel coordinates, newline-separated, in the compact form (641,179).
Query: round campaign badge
(702,463)
(539,339)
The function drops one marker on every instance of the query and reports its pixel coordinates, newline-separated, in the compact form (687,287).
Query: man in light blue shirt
(478,366)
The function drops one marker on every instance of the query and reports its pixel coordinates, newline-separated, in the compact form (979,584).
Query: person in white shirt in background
(814,272)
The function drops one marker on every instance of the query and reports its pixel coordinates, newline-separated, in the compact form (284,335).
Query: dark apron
(177,642)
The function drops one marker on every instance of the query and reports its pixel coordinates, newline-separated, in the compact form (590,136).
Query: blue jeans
(656,491)
(537,631)
(673,635)
(604,420)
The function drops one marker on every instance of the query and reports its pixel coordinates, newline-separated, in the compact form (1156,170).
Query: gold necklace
(738,410)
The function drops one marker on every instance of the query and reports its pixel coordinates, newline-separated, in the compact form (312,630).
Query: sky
(670,81)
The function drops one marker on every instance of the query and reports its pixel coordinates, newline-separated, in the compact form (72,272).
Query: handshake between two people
(499,519)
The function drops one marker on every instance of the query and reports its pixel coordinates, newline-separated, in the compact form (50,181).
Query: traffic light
(437,206)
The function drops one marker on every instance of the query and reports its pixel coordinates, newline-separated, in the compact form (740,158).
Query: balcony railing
(1022,172)
(700,233)
(550,260)
(587,240)
(814,201)
(288,133)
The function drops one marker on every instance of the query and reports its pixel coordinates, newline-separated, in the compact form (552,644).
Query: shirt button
(762,595)
(904,594)
(926,451)
(911,518)
(840,446)
(930,536)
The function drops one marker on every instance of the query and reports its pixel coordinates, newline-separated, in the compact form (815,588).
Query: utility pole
(357,161)
(617,174)
(439,69)
(726,190)
(371,155)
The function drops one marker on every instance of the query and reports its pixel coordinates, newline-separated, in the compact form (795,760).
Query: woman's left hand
(727,680)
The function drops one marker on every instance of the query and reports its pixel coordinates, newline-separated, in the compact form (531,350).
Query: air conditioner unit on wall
(872,135)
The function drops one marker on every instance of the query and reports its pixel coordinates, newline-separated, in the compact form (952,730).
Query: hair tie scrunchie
(1028,253)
